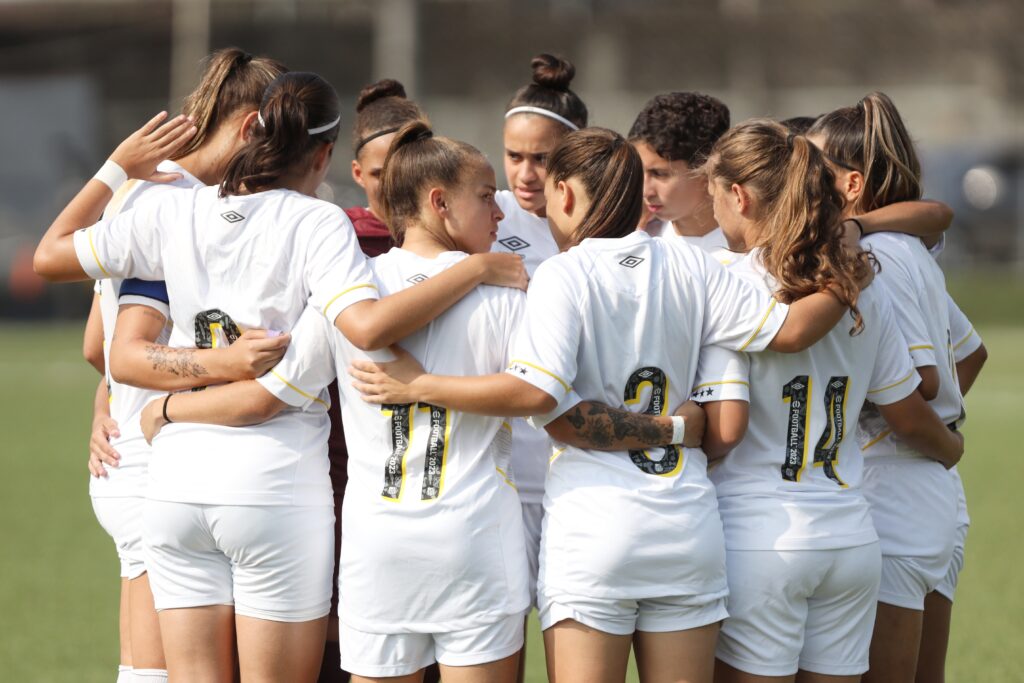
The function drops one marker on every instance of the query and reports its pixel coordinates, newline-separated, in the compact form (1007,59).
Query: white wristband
(111,174)
(678,429)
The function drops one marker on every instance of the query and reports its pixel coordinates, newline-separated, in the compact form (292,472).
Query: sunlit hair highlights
(870,137)
(232,80)
(610,171)
(798,209)
(418,161)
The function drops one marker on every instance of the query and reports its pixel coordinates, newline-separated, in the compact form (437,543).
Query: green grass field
(58,571)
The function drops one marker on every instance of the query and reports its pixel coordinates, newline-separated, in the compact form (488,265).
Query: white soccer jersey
(713,242)
(433,537)
(965,342)
(621,321)
(129,478)
(528,235)
(916,287)
(793,482)
(234,263)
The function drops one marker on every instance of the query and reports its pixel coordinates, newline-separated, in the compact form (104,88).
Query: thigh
(841,613)
(725,673)
(578,653)
(199,643)
(931,659)
(147,648)
(676,656)
(282,559)
(280,652)
(768,602)
(503,670)
(894,645)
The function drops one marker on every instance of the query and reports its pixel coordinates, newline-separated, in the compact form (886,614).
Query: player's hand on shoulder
(503,270)
(255,352)
(101,453)
(156,141)
(696,422)
(387,382)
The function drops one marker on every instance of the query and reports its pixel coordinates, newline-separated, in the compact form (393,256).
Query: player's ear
(357,174)
(245,130)
(565,196)
(741,199)
(437,201)
(853,186)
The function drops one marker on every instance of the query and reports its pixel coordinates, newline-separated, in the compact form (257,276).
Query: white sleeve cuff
(896,391)
(966,346)
(724,390)
(342,300)
(567,403)
(293,395)
(88,257)
(155,304)
(539,377)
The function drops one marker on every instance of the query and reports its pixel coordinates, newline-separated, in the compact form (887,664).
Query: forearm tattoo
(178,362)
(596,425)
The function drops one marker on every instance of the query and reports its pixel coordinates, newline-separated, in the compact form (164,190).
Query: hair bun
(387,87)
(551,71)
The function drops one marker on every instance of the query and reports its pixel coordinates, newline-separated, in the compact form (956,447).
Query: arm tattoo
(602,427)
(179,362)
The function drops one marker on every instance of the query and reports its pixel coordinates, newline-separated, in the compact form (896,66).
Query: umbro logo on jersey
(514,243)
(232,216)
(631,261)
(417,278)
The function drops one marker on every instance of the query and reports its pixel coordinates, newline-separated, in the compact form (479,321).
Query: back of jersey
(621,321)
(430,481)
(916,287)
(792,483)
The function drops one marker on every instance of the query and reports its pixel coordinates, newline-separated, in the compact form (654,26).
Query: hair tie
(543,112)
(424,134)
(789,140)
(374,136)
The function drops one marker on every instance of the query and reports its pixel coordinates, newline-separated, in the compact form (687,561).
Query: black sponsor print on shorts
(514,243)
(232,216)
(631,261)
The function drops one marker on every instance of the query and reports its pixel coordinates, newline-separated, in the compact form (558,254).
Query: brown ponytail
(610,170)
(416,162)
(798,209)
(870,137)
(382,108)
(550,89)
(292,105)
(232,80)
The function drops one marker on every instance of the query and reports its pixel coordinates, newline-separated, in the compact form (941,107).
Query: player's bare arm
(597,426)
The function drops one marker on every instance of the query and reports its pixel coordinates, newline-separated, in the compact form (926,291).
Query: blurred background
(77,76)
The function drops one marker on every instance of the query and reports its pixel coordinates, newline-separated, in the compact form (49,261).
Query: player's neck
(698,224)
(420,241)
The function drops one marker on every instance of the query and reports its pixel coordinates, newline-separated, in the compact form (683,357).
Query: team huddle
(694,392)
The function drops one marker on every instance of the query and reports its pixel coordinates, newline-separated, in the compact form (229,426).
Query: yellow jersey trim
(869,444)
(752,337)
(298,391)
(555,455)
(964,340)
(922,347)
(344,292)
(565,385)
(505,477)
(894,384)
(96,257)
(714,384)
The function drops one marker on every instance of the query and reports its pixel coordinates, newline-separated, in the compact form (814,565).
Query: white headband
(543,112)
(311,131)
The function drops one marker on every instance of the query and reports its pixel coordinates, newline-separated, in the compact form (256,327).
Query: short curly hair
(681,126)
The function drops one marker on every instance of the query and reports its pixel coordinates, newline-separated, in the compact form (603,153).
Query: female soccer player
(802,554)
(674,134)
(223,107)
(913,498)
(247,546)
(632,547)
(537,117)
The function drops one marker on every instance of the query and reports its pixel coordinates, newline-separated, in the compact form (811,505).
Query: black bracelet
(860,226)
(166,399)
